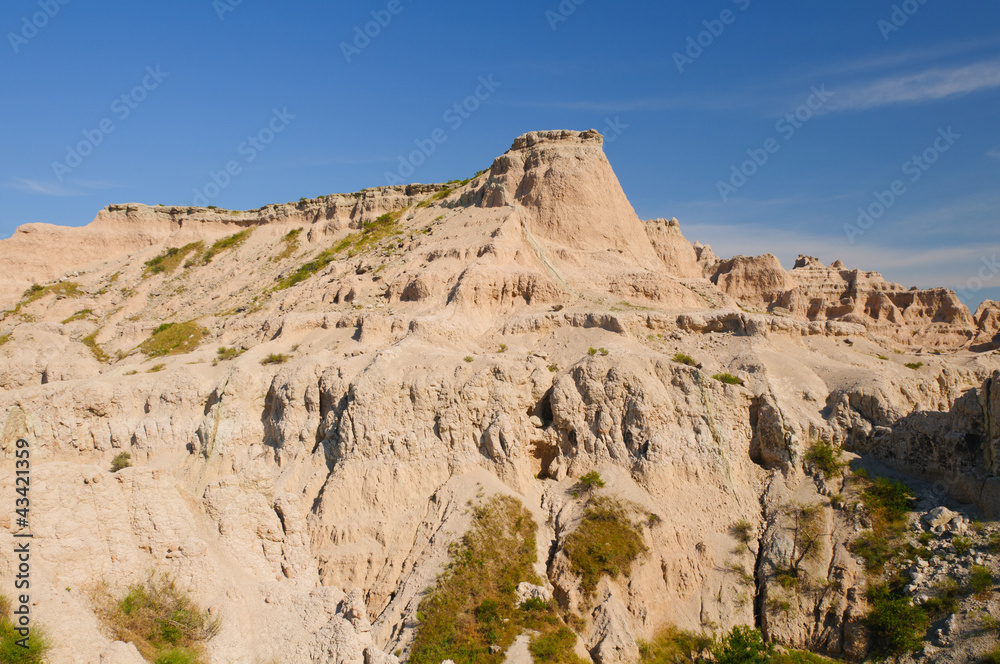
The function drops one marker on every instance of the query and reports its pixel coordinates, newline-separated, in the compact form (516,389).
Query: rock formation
(360,368)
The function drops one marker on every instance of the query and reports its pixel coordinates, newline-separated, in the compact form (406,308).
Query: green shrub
(947,596)
(156,368)
(687,360)
(993,656)
(914,365)
(674,646)
(224,354)
(553,367)
(556,647)
(980,580)
(164,625)
(727,378)
(742,645)
(925,538)
(588,484)
(225,244)
(472,605)
(606,543)
(993,542)
(742,530)
(12,650)
(827,458)
(171,259)
(4,338)
(121,461)
(895,624)
(469,359)
(441,195)
(275,358)
(962,545)
(174,339)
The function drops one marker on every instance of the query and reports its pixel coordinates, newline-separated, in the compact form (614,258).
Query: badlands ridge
(398,354)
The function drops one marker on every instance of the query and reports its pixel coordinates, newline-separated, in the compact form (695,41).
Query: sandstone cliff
(356,370)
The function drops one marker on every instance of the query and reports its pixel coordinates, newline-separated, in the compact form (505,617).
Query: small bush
(174,339)
(556,647)
(896,625)
(606,543)
(469,359)
(592,351)
(827,458)
(164,625)
(588,484)
(224,354)
(12,650)
(946,599)
(687,360)
(121,461)
(603,351)
(742,645)
(275,358)
(993,543)
(980,580)
(962,545)
(914,365)
(502,349)
(727,378)
(4,338)
(742,530)
(674,646)
(156,368)
(925,538)
(553,367)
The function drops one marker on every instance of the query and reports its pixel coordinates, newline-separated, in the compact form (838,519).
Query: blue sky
(161,96)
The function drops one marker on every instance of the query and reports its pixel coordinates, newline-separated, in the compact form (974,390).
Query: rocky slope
(399,353)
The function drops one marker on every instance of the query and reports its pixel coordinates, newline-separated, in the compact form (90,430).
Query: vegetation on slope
(606,542)
(171,259)
(174,339)
(162,622)
(12,643)
(472,605)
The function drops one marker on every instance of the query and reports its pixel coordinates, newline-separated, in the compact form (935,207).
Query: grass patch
(275,358)
(90,341)
(225,244)
(171,259)
(224,354)
(981,580)
(962,545)
(121,461)
(471,607)
(895,624)
(4,338)
(156,368)
(83,314)
(685,359)
(888,503)
(826,458)
(164,625)
(174,339)
(727,378)
(674,646)
(291,245)
(606,543)
(914,365)
(15,649)
(441,195)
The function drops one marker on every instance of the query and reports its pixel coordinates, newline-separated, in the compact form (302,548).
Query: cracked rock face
(304,469)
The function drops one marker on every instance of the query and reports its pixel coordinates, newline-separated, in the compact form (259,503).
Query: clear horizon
(865,132)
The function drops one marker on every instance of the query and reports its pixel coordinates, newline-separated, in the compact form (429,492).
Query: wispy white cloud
(76,188)
(930,85)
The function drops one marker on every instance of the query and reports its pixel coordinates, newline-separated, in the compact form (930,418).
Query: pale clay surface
(310,504)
